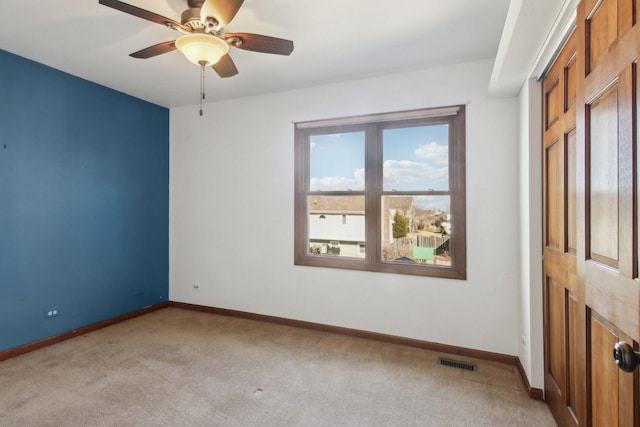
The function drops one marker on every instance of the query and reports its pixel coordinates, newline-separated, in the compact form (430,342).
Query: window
(400,180)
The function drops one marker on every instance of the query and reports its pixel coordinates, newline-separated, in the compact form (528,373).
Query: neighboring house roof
(400,202)
(353,205)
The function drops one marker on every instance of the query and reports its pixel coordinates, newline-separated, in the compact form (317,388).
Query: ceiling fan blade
(140,13)
(222,10)
(155,50)
(225,67)
(260,43)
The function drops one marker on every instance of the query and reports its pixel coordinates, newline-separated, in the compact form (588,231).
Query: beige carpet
(181,368)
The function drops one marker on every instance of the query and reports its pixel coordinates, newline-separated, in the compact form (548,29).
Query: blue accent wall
(84,202)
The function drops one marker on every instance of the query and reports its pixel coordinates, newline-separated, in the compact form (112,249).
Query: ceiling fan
(204,41)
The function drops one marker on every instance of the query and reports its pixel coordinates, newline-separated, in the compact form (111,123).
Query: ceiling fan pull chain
(202,64)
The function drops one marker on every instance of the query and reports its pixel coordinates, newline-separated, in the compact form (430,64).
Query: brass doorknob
(626,358)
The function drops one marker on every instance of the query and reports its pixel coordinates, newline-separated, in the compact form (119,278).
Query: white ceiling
(335,40)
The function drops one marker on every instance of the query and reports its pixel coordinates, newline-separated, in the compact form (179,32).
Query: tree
(400,225)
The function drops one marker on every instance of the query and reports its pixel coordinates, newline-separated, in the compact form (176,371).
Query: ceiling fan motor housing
(191,18)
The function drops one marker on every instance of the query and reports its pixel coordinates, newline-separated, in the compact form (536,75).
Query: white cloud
(339,183)
(433,151)
(405,174)
(433,202)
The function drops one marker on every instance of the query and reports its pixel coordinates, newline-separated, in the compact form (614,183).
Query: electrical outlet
(196,287)
(137,291)
(52,312)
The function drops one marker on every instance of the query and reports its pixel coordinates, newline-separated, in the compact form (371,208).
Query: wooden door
(584,320)
(561,301)
(607,176)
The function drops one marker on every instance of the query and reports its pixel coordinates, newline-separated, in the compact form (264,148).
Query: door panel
(604,374)
(574,406)
(553,103)
(557,344)
(602,29)
(571,193)
(611,405)
(571,76)
(555,195)
(602,151)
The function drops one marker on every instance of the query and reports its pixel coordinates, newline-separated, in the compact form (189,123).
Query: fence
(441,243)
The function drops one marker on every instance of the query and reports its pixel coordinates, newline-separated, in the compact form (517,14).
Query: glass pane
(416,158)
(416,229)
(337,162)
(336,226)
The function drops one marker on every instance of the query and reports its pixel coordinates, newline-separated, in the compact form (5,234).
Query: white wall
(231,213)
(531,345)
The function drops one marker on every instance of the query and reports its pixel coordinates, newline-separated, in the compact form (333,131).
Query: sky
(415,158)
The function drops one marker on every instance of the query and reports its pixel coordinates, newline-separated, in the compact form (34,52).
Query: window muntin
(358,173)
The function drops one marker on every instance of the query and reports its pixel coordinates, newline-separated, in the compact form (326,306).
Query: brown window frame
(373,126)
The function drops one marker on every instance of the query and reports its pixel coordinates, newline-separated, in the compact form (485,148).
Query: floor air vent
(456,364)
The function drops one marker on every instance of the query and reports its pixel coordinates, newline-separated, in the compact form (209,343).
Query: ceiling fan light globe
(199,48)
